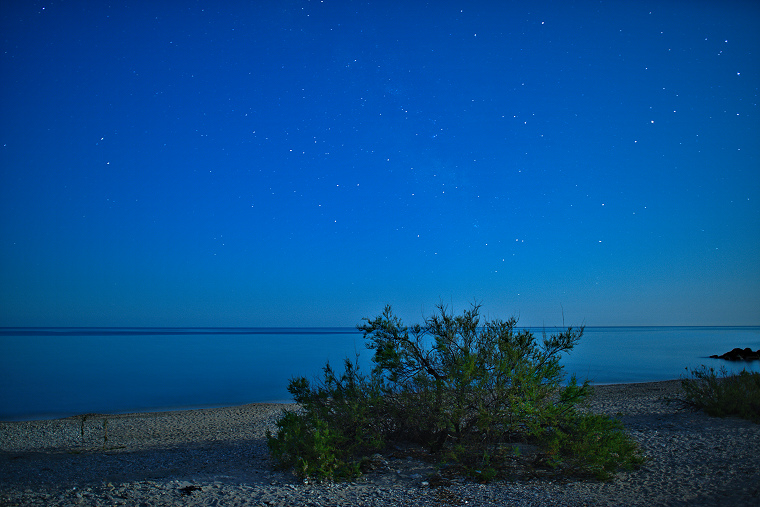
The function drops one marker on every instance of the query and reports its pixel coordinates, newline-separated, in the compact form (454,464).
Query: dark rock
(738,354)
(188,490)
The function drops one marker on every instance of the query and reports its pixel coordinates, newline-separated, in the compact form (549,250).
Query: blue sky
(305,163)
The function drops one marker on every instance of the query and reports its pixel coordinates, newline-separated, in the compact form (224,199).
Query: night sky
(304,163)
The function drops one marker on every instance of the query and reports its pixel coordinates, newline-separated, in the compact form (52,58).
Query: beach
(219,457)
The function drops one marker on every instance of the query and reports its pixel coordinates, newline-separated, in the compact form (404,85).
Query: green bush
(722,394)
(466,390)
(591,444)
(339,424)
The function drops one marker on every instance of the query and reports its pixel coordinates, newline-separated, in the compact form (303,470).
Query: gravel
(218,457)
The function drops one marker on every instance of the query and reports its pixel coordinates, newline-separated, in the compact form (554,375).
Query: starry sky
(304,163)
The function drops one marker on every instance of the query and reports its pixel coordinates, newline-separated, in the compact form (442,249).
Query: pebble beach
(219,457)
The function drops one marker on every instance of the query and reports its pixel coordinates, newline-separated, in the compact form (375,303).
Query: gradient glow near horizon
(305,163)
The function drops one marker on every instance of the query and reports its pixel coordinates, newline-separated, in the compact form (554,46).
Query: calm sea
(58,372)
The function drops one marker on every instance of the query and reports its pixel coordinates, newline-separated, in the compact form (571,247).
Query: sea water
(59,372)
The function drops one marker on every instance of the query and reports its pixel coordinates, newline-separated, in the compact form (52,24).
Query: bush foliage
(467,390)
(721,394)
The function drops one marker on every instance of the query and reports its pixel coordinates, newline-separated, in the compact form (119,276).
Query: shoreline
(61,416)
(219,456)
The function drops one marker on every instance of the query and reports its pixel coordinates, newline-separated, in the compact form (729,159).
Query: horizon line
(200,330)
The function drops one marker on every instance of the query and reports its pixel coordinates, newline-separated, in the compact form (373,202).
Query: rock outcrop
(740,355)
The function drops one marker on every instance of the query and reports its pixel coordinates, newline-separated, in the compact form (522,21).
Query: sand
(219,457)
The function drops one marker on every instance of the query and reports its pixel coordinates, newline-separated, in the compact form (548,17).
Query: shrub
(338,425)
(591,444)
(466,390)
(722,394)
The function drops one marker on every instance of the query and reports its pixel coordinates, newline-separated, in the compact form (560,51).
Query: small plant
(721,394)
(464,389)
